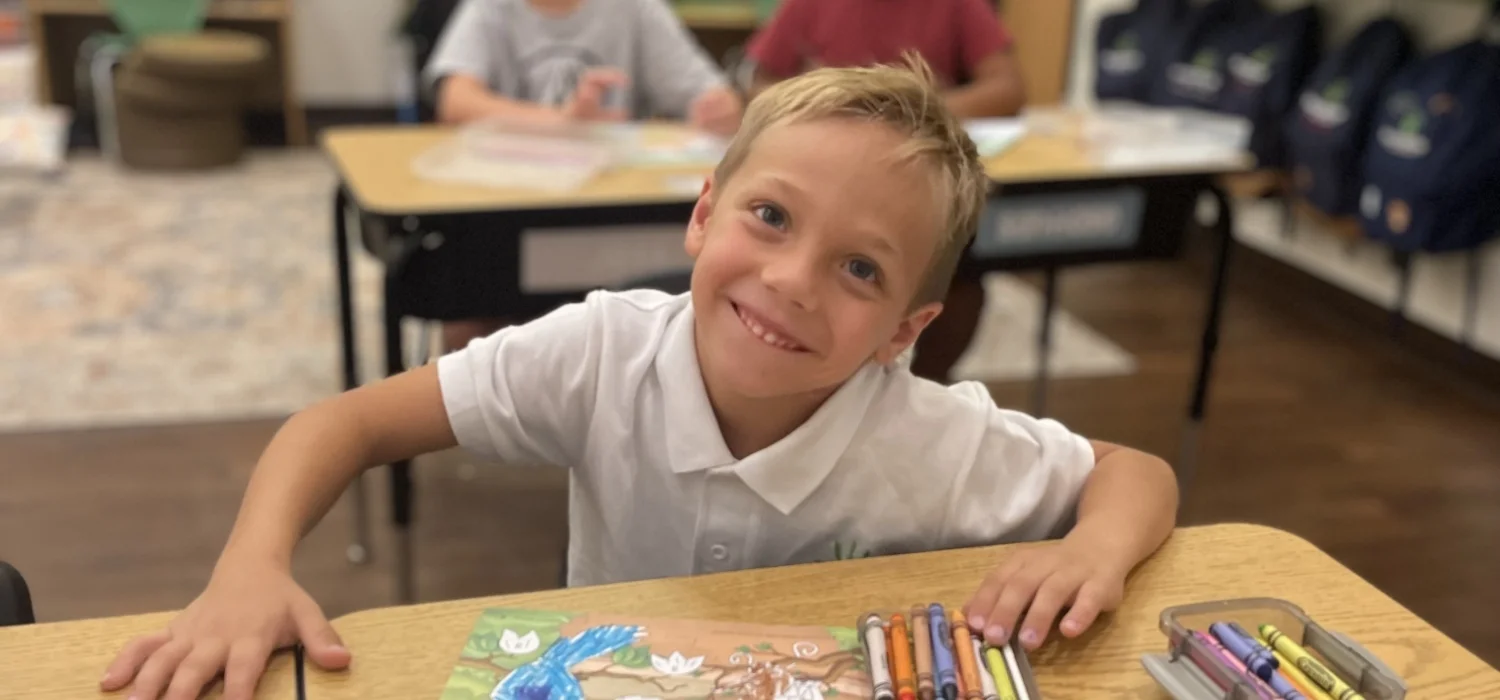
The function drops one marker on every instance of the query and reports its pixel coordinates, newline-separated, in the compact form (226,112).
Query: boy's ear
(911,327)
(697,227)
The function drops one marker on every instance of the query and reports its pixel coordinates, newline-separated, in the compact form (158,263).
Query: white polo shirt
(892,463)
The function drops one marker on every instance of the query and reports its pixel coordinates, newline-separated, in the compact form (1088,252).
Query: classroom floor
(1316,426)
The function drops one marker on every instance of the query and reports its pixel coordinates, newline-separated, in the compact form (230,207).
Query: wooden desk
(57,28)
(407,652)
(66,659)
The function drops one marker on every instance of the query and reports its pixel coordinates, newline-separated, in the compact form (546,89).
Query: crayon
(986,681)
(1262,691)
(942,653)
(901,660)
(1309,689)
(1278,682)
(1001,674)
(1257,658)
(921,642)
(968,669)
(872,629)
(1015,671)
(1316,672)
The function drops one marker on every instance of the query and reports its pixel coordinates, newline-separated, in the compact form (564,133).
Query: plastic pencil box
(1188,670)
(1023,664)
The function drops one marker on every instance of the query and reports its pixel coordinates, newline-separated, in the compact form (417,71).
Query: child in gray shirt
(578,59)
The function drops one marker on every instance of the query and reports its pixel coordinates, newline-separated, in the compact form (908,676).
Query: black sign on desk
(1061,222)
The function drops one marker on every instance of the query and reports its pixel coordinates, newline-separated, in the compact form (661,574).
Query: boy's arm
(464,65)
(675,68)
(463,99)
(995,87)
(1128,506)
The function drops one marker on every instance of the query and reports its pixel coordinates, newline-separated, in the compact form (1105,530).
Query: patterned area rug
(136,299)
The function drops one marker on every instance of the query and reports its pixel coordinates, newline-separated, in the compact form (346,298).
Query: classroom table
(407,652)
(1056,204)
(66,659)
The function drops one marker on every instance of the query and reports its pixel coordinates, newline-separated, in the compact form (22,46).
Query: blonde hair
(906,99)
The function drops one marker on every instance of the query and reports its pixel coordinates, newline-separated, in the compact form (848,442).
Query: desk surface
(66,659)
(375,163)
(407,652)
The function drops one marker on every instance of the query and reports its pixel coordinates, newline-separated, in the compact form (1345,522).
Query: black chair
(15,598)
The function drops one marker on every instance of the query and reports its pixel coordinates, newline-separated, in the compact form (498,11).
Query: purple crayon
(1257,658)
(1284,689)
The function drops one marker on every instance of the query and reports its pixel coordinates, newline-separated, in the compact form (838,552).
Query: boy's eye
(863,269)
(771,214)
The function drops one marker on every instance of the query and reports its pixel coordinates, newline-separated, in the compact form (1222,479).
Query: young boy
(968,49)
(762,419)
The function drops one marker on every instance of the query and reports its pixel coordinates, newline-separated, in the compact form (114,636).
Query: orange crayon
(922,647)
(901,659)
(969,687)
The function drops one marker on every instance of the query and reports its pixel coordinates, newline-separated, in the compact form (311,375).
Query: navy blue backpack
(1131,47)
(1267,61)
(1432,168)
(1192,73)
(1328,130)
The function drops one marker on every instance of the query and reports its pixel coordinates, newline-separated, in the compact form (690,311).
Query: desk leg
(1224,235)
(1044,344)
(359,549)
(401,484)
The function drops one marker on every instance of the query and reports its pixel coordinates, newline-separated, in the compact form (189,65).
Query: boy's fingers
(978,609)
(247,661)
(1050,597)
(1012,601)
(130,659)
(196,671)
(1090,602)
(322,644)
(158,669)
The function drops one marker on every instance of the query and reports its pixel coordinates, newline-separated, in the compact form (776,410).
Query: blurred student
(969,52)
(553,61)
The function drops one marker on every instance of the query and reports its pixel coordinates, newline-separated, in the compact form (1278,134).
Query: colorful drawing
(516,654)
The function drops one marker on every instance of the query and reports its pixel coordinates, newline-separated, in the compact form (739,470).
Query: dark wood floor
(1316,426)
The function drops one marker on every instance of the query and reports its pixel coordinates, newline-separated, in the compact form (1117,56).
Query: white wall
(346,52)
(1438,282)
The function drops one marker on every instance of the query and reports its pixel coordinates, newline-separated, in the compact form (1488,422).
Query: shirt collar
(785,473)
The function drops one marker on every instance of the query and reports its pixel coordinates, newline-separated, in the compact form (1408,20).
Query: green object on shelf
(143,18)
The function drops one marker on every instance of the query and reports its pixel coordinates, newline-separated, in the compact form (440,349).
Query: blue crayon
(942,653)
(1257,658)
(1284,689)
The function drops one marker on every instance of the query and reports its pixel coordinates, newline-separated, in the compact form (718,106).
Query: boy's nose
(794,277)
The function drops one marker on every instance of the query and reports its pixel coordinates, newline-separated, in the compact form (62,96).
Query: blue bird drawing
(550,677)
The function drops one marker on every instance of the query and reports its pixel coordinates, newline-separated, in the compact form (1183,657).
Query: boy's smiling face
(809,257)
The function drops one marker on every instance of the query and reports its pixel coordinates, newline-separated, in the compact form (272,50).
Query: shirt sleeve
(675,69)
(1023,482)
(777,47)
(465,44)
(525,394)
(980,34)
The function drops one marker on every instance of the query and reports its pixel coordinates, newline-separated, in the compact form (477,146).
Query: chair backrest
(15,598)
(142,18)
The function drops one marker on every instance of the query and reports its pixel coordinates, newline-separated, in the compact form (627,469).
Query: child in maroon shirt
(968,49)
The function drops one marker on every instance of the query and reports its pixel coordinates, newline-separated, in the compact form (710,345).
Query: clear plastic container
(1181,670)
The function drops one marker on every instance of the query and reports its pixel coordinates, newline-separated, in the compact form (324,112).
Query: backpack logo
(1328,109)
(1199,78)
(1398,216)
(1253,70)
(1405,138)
(1124,56)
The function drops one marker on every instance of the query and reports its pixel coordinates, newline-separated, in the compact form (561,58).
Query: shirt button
(719,552)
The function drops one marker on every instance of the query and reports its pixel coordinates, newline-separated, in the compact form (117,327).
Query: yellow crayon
(1001,674)
(1316,672)
(1303,683)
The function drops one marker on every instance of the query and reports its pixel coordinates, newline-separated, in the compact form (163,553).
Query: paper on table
(994,136)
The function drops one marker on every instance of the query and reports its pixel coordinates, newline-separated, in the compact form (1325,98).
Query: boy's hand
(244,614)
(1084,576)
(717,110)
(591,96)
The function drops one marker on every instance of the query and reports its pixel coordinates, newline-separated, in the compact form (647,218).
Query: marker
(1303,683)
(901,659)
(968,664)
(1316,672)
(1015,671)
(1257,658)
(1262,691)
(942,653)
(921,642)
(1001,675)
(872,629)
(986,682)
